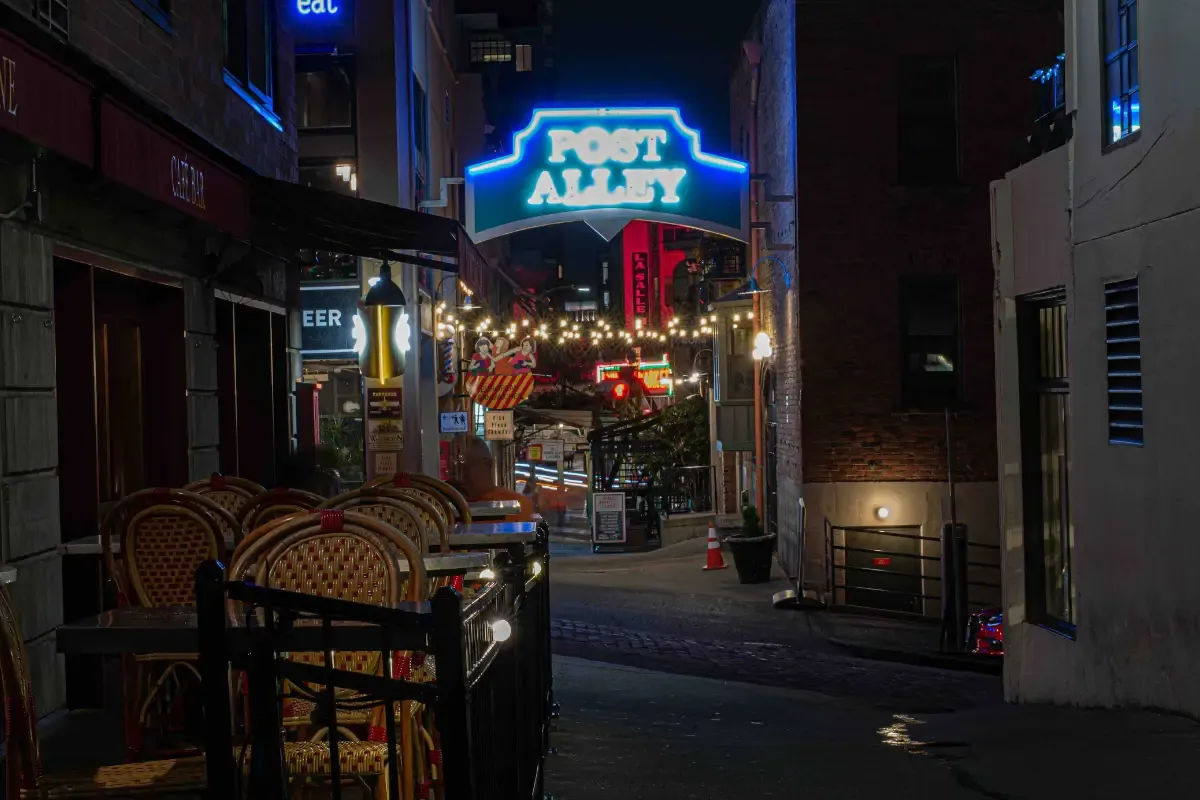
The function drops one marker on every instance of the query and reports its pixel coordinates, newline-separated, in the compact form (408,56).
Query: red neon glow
(621,390)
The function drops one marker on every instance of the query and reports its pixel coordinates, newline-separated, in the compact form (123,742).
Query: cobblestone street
(898,687)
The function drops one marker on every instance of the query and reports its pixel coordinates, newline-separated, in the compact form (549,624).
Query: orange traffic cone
(715,559)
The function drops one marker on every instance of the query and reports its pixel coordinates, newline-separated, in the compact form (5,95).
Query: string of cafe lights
(562,331)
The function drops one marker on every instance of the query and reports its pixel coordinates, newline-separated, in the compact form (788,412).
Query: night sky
(653,52)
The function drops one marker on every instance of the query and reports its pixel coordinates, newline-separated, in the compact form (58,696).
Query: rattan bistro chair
(231,493)
(273,504)
(348,556)
(400,508)
(409,480)
(162,546)
(24,776)
(117,520)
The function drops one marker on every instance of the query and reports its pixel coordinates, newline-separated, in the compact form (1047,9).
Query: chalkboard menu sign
(608,518)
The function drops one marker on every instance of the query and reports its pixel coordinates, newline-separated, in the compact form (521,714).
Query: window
(524,58)
(324,98)
(250,49)
(1124,112)
(607,301)
(928,121)
(420,104)
(1123,339)
(491,49)
(159,11)
(1045,458)
(604,272)
(929,314)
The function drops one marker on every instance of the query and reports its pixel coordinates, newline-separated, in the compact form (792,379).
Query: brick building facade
(132,143)
(889,124)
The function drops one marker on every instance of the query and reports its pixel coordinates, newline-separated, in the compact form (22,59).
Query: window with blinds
(1123,338)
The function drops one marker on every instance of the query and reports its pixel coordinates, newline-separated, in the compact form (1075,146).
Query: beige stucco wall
(909,503)
(1134,508)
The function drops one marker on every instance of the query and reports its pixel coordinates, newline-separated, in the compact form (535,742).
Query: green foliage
(341,447)
(751,525)
(682,431)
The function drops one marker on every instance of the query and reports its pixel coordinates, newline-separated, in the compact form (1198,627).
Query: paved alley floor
(633,734)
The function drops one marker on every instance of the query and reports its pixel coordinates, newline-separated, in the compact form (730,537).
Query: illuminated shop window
(491,49)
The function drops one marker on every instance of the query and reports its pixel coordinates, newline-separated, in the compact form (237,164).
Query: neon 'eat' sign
(318,7)
(607,166)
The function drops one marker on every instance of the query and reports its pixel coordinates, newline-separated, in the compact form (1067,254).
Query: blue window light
(1121,77)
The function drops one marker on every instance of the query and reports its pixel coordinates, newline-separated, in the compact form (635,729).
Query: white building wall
(1133,212)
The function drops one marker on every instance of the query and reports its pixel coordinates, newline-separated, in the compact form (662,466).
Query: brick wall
(777,274)
(182,72)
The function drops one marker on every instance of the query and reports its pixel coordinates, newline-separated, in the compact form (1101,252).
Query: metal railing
(491,695)
(896,569)
(687,489)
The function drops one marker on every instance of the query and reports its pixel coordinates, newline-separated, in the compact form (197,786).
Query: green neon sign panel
(607,167)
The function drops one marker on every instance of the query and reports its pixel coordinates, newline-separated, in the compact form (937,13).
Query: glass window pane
(1135,112)
(235,37)
(1114,97)
(1132,78)
(1055,545)
(1111,26)
(258,45)
(1133,23)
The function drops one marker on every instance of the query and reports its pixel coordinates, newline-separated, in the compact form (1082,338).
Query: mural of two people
(500,359)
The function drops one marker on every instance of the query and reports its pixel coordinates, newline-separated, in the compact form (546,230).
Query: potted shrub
(752,550)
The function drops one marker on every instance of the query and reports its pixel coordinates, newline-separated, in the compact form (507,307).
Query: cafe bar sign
(605,167)
(44,102)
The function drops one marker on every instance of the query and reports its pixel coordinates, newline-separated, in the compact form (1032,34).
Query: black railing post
(453,712)
(214,679)
(268,778)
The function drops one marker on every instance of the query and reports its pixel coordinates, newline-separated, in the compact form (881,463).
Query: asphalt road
(675,683)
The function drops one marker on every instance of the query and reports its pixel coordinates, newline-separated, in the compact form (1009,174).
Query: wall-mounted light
(883,512)
(762,346)
(382,312)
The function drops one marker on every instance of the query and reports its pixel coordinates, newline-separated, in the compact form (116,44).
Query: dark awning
(315,219)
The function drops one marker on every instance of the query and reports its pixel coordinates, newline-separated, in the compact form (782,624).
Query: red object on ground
(715,559)
(987,632)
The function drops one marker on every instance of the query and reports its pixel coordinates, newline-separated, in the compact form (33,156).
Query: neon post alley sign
(607,166)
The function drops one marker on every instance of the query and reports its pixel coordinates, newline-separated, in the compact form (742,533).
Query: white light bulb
(501,630)
(402,333)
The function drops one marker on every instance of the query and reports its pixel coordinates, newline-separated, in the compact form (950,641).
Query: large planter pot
(752,557)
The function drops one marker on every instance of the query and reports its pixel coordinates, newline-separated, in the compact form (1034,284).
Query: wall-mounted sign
(546,450)
(454,422)
(498,426)
(138,155)
(327,320)
(640,275)
(319,8)
(43,102)
(385,420)
(655,376)
(607,166)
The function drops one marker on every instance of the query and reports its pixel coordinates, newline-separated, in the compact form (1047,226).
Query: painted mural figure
(525,360)
(482,362)
(502,357)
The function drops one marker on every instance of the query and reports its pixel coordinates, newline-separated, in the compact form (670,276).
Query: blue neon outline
(672,114)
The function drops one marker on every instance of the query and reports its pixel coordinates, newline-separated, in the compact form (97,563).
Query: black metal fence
(897,569)
(687,490)
(490,697)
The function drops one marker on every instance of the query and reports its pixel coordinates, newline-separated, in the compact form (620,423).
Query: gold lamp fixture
(382,334)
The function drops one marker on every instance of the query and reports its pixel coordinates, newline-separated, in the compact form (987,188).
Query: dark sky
(652,52)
